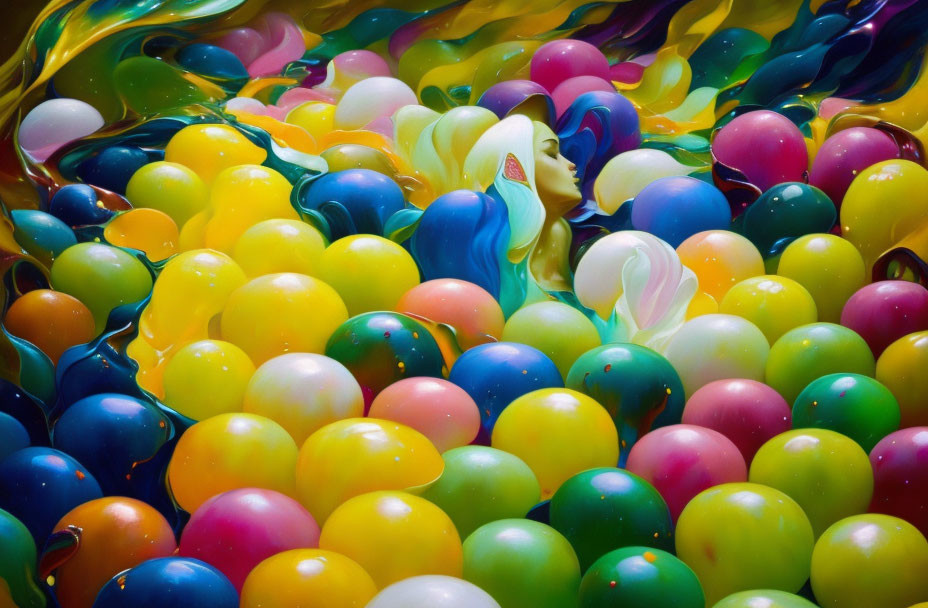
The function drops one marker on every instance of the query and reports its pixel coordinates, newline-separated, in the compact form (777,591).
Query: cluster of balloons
(435,308)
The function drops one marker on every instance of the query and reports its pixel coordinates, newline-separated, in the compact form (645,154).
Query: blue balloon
(41,234)
(355,201)
(496,374)
(676,208)
(113,167)
(212,62)
(168,582)
(13,435)
(38,486)
(15,402)
(76,205)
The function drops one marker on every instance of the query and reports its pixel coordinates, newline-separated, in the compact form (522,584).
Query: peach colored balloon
(720,259)
(473,313)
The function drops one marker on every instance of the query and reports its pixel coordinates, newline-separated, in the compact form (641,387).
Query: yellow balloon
(308,578)
(281,313)
(627,174)
(829,267)
(208,149)
(701,304)
(774,304)
(393,536)
(350,457)
(556,329)
(279,246)
(207,378)
(901,368)
(369,272)
(720,259)
(193,233)
(231,451)
(558,433)
(169,187)
(150,231)
(317,117)
(885,202)
(241,197)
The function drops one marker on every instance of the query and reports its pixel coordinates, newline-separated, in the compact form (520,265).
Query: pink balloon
(885,311)
(565,93)
(559,60)
(748,412)
(361,64)
(291,98)
(765,146)
(474,314)
(628,72)
(900,476)
(243,42)
(682,460)
(438,409)
(236,530)
(273,42)
(847,153)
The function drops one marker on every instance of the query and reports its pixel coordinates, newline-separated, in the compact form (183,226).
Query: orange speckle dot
(608,367)
(79,474)
(415,335)
(161,424)
(650,557)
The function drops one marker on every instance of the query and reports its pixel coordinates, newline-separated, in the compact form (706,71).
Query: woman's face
(555,176)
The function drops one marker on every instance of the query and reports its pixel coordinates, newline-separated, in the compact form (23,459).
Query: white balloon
(370,99)
(625,175)
(55,122)
(433,591)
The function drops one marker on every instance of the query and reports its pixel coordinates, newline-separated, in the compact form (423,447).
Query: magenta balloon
(765,146)
(628,72)
(845,154)
(900,476)
(746,411)
(565,93)
(885,311)
(236,530)
(559,60)
(682,460)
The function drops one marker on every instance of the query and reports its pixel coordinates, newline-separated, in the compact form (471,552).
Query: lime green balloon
(522,564)
(764,598)
(100,276)
(811,351)
(828,474)
(740,536)
(870,560)
(482,484)
(17,565)
(559,331)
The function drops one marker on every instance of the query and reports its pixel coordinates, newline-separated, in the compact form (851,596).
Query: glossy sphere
(303,392)
(741,536)
(766,598)
(100,276)
(901,369)
(178,582)
(746,411)
(253,525)
(279,313)
(676,208)
(433,591)
(168,187)
(370,99)
(558,330)
(318,118)
(77,205)
(559,60)
(571,433)
(473,313)
(116,533)
(13,435)
(681,461)
(55,122)
(393,536)
(369,272)
(231,451)
(870,560)
(41,234)
(565,93)
(51,320)
(900,476)
(854,405)
(714,347)
(604,509)
(354,201)
(627,174)
(207,378)
(150,231)
(275,246)
(522,564)
(787,211)
(482,484)
(720,259)
(845,154)
(640,576)
(350,457)
(885,311)
(311,578)
(829,267)
(208,149)
(774,304)
(826,473)
(765,146)
(811,351)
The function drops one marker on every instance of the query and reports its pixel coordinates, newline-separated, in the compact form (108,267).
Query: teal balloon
(640,577)
(36,370)
(787,211)
(851,404)
(480,485)
(605,509)
(41,234)
(17,563)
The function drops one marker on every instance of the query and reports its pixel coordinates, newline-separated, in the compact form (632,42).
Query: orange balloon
(150,231)
(51,320)
(720,259)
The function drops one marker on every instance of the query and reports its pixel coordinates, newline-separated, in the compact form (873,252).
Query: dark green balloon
(787,210)
(605,509)
(851,404)
(17,563)
(640,577)
(638,387)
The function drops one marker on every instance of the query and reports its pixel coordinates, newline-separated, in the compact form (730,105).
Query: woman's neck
(549,258)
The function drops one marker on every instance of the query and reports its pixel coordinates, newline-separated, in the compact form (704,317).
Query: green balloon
(482,484)
(790,209)
(102,277)
(149,86)
(851,404)
(811,351)
(36,370)
(640,577)
(768,598)
(556,329)
(522,564)
(17,565)
(605,509)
